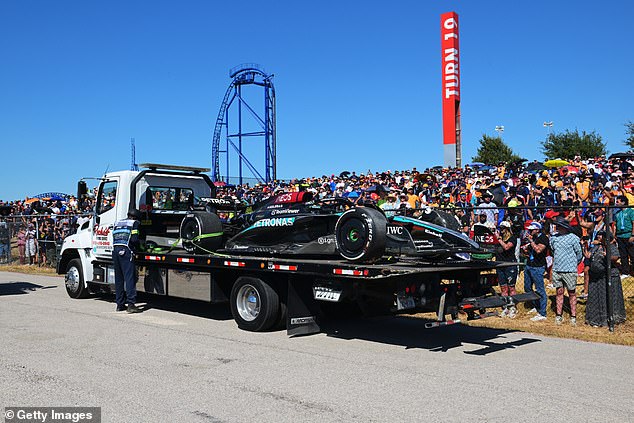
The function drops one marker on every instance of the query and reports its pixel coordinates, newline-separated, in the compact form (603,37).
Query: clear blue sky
(358,82)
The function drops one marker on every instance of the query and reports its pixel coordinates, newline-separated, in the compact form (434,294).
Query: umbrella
(535,167)
(351,194)
(220,183)
(437,167)
(378,188)
(571,169)
(475,164)
(31,200)
(628,155)
(344,174)
(518,162)
(555,163)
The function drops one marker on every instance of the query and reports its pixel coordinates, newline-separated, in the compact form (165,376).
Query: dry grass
(623,334)
(29,270)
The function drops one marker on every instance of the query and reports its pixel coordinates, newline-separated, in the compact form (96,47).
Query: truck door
(105,217)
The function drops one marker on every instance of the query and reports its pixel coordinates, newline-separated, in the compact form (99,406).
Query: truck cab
(163,193)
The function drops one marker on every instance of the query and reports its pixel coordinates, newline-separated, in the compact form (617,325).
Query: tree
(629,131)
(567,145)
(493,150)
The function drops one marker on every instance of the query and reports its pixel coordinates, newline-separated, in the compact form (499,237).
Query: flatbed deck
(314,266)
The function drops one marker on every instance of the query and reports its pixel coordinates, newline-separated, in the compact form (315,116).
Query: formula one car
(296,224)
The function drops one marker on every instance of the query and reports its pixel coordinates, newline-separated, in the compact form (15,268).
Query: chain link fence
(35,239)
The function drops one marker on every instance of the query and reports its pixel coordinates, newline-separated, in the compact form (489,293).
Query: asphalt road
(188,362)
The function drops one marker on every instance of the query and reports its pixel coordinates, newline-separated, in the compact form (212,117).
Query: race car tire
(74,280)
(201,231)
(360,234)
(255,306)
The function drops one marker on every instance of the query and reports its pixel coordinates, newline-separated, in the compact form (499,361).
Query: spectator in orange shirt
(582,189)
(543,181)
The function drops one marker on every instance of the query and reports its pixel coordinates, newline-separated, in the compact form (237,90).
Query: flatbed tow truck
(265,292)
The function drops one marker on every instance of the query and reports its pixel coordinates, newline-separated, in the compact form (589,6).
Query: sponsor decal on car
(395,230)
(287,211)
(274,222)
(326,239)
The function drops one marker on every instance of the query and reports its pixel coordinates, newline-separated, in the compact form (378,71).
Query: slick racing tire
(74,280)
(255,306)
(201,231)
(360,234)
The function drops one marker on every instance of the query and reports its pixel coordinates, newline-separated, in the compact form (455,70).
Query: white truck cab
(163,193)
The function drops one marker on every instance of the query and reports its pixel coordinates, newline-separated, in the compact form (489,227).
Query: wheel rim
(355,236)
(72,279)
(248,303)
(190,231)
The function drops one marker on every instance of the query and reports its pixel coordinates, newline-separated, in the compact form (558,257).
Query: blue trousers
(534,276)
(124,276)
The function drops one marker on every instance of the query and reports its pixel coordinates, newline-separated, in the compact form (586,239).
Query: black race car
(297,224)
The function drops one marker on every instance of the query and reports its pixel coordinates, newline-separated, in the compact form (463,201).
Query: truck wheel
(74,280)
(255,306)
(360,234)
(201,231)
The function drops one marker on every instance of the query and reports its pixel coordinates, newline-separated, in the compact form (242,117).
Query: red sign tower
(450,89)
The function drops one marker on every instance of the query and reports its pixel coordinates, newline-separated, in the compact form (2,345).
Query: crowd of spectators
(527,207)
(39,225)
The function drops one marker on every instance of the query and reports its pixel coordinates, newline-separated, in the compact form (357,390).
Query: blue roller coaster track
(232,147)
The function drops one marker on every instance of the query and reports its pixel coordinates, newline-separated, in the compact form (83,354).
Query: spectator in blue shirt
(624,218)
(567,255)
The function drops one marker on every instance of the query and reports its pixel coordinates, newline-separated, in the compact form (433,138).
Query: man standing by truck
(125,237)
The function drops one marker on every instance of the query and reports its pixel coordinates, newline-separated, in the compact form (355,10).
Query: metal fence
(35,239)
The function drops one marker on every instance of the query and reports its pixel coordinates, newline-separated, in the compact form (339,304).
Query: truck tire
(74,280)
(360,234)
(255,306)
(201,231)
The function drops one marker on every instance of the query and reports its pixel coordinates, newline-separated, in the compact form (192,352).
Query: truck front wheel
(74,280)
(255,306)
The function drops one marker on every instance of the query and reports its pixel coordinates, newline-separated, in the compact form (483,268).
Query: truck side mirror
(82,189)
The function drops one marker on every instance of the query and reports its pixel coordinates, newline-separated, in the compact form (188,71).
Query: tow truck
(264,292)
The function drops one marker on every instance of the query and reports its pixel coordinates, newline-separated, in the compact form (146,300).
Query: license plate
(404,302)
(326,294)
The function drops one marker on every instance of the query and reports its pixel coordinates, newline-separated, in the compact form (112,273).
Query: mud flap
(302,308)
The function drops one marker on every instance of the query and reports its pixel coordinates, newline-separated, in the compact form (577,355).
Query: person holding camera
(535,249)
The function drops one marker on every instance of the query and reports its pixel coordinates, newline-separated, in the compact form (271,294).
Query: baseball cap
(551,214)
(534,225)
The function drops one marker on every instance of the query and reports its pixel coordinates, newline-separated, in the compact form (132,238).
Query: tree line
(562,145)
